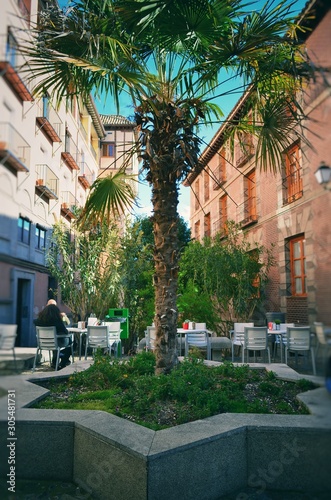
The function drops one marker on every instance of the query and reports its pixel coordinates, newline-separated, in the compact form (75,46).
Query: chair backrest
(319,329)
(7,336)
(298,338)
(47,337)
(256,337)
(238,331)
(92,321)
(200,326)
(97,336)
(150,337)
(197,339)
(283,326)
(114,329)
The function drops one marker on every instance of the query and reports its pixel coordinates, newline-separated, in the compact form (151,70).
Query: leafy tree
(228,274)
(137,270)
(172,58)
(86,267)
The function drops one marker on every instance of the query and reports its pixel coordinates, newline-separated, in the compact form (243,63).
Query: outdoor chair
(8,335)
(238,337)
(114,337)
(255,339)
(299,340)
(150,335)
(97,337)
(199,340)
(47,340)
(280,340)
(322,340)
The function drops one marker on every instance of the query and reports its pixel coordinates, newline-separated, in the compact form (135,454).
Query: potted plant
(277,323)
(185,324)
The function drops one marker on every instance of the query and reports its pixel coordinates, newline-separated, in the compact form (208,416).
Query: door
(23,313)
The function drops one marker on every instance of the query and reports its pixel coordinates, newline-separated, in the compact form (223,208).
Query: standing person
(51,316)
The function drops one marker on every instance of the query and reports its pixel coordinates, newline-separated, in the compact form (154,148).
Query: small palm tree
(174,59)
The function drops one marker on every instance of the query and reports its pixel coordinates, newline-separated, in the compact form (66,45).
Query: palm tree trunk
(165,201)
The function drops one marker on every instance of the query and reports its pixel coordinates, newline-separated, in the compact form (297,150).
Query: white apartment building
(49,158)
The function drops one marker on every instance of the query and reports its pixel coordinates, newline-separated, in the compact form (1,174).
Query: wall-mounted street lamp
(323,175)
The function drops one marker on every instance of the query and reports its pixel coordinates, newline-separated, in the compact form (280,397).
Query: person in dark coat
(51,316)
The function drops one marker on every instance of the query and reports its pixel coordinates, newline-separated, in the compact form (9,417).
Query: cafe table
(281,332)
(80,332)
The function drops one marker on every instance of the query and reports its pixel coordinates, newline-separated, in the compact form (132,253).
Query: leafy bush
(192,391)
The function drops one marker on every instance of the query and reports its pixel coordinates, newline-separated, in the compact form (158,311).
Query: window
(222,206)
(40,237)
(251,196)
(108,149)
(298,266)
(24,229)
(197,194)
(206,185)
(219,176)
(292,180)
(207,232)
(11,49)
(197,230)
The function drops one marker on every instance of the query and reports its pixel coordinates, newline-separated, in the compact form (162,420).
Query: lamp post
(323,175)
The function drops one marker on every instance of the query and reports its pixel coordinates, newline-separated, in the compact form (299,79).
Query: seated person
(51,316)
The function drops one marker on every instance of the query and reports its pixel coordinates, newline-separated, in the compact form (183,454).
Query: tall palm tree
(174,59)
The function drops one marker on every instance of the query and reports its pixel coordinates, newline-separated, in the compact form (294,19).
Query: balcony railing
(246,212)
(244,151)
(49,121)
(14,150)
(220,227)
(218,179)
(8,63)
(69,203)
(47,182)
(292,186)
(86,177)
(69,154)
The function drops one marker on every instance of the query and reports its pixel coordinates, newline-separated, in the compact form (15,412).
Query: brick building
(289,209)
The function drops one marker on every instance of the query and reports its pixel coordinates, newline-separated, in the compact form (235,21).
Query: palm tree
(174,59)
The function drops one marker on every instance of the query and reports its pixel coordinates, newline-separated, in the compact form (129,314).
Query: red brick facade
(281,207)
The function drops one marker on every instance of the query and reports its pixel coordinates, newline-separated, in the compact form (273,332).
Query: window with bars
(206,179)
(219,174)
(244,148)
(108,149)
(197,230)
(247,210)
(40,238)
(298,266)
(23,230)
(223,214)
(292,175)
(197,195)
(207,226)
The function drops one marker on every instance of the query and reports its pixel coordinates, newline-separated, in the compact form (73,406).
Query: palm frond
(109,197)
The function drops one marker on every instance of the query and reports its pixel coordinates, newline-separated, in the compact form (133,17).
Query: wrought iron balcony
(14,150)
(69,203)
(68,156)
(47,183)
(49,121)
(86,177)
(246,212)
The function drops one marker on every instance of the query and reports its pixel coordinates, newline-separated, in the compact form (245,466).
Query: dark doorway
(23,313)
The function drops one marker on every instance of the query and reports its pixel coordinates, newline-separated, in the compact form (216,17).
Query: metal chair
(200,340)
(238,336)
(97,337)
(48,340)
(150,335)
(298,339)
(114,337)
(280,340)
(322,339)
(255,339)
(8,334)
